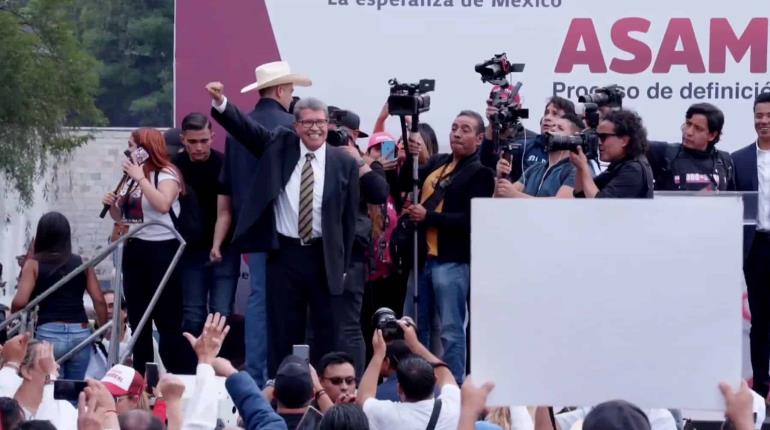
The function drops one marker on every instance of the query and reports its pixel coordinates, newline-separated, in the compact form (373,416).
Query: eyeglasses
(308,123)
(604,136)
(338,380)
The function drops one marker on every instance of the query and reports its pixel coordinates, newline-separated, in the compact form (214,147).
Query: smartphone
(68,389)
(151,375)
(302,351)
(388,150)
(141,155)
(311,420)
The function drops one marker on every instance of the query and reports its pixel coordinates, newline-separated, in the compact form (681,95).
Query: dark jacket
(746,179)
(279,153)
(629,179)
(672,164)
(454,221)
(240,163)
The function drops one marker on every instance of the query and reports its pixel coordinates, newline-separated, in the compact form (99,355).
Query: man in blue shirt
(554,179)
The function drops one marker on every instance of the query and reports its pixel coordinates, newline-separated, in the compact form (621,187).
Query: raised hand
(208,344)
(217,92)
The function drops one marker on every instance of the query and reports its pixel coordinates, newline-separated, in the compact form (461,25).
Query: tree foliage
(134,42)
(48,88)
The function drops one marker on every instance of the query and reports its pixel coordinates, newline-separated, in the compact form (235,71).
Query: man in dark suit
(752,173)
(304,215)
(275,83)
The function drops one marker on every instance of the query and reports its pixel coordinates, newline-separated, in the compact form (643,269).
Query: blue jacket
(255,410)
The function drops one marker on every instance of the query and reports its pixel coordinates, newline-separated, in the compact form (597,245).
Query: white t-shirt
(385,414)
(660,419)
(134,213)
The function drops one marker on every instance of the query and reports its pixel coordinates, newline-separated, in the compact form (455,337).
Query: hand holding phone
(68,389)
(302,351)
(152,375)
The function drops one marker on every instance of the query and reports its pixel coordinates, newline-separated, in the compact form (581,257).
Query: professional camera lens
(385,320)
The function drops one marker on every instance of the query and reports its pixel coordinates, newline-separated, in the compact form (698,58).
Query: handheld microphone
(122,182)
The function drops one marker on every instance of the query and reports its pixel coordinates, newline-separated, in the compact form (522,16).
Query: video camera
(410,99)
(587,140)
(503,96)
(610,96)
(496,69)
(339,136)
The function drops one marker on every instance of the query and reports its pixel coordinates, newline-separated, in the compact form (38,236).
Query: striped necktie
(306,200)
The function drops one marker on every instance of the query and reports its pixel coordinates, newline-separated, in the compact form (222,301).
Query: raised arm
(247,132)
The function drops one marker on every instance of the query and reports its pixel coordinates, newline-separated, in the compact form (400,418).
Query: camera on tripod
(588,140)
(610,96)
(410,99)
(503,96)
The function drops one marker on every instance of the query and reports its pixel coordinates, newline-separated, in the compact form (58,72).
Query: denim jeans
(443,292)
(64,337)
(207,288)
(256,320)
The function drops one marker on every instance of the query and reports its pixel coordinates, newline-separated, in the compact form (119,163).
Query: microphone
(122,182)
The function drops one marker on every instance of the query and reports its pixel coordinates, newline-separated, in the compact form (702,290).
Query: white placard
(575,302)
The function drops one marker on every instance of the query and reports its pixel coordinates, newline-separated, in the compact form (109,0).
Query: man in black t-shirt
(209,276)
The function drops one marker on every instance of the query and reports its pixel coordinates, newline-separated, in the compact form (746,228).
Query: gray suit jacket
(279,151)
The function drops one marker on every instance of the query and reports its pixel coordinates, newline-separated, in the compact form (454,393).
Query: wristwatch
(360,162)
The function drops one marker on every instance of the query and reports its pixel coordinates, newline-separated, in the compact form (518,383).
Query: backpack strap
(434,415)
(171,208)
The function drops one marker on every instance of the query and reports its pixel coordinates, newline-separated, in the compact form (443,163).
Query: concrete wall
(74,187)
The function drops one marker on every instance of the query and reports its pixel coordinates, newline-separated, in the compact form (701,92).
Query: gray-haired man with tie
(304,217)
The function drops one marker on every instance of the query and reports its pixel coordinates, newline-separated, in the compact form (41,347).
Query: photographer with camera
(526,148)
(418,376)
(555,179)
(695,164)
(343,133)
(448,183)
(622,143)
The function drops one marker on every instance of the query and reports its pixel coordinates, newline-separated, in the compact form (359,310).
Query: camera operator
(455,179)
(622,143)
(695,164)
(374,189)
(555,179)
(417,376)
(532,145)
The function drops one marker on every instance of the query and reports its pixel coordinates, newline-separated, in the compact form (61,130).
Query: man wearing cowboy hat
(275,84)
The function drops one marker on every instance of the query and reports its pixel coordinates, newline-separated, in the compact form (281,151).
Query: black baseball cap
(293,383)
(350,120)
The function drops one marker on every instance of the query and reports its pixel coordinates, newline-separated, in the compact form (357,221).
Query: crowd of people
(325,226)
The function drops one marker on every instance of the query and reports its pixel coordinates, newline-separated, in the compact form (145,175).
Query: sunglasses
(338,380)
(604,136)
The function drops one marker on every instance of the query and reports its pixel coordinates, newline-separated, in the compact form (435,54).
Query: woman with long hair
(61,317)
(151,195)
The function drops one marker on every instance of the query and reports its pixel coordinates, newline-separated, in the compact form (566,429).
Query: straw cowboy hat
(276,73)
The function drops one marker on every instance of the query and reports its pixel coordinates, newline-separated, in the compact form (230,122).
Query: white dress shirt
(763,187)
(287,204)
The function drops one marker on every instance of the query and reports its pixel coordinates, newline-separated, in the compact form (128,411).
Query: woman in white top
(150,195)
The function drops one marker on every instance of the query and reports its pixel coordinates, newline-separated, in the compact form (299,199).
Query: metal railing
(115,324)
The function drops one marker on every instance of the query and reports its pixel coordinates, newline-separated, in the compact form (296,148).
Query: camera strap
(434,415)
(442,184)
